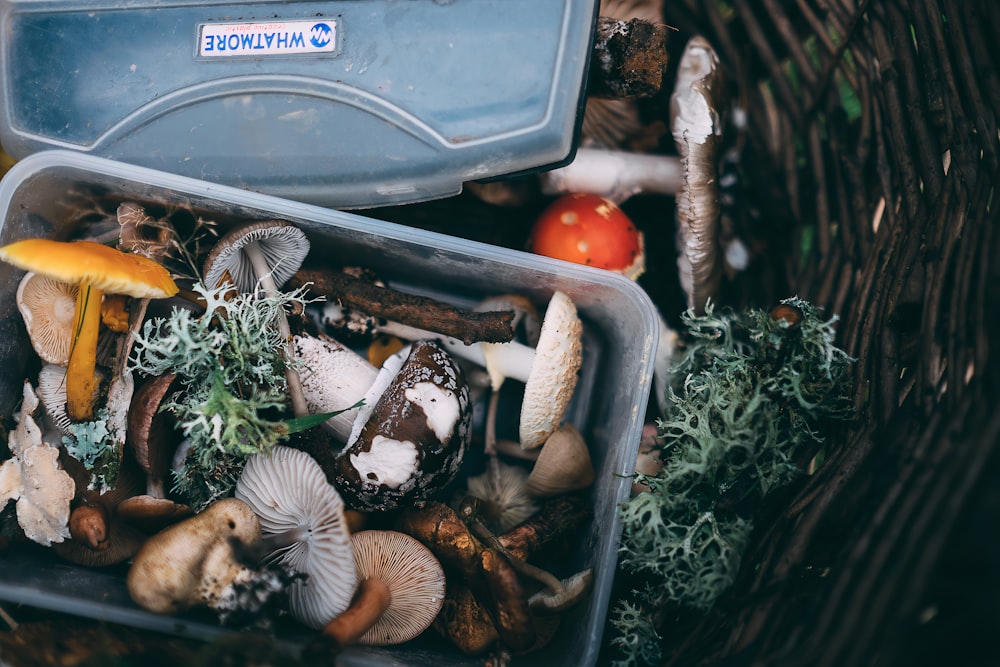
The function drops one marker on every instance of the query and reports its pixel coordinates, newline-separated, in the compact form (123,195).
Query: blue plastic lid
(344,104)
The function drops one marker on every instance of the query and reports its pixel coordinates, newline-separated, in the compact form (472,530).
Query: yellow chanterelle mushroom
(97,269)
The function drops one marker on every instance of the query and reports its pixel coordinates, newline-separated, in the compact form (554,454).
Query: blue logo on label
(320,35)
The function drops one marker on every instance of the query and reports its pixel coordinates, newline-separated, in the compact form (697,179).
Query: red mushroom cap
(588,229)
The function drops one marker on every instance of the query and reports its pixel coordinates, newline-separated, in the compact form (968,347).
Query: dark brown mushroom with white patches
(410,442)
(264,254)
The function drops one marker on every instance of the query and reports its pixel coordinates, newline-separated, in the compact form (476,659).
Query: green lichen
(94,445)
(230,363)
(747,396)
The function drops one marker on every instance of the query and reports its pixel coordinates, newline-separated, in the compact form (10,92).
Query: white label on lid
(266,38)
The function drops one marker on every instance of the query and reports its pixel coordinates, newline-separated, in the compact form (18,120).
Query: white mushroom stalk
(615,174)
(697,128)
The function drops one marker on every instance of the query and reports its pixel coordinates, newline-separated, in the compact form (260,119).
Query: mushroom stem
(80,380)
(469,511)
(370,601)
(615,175)
(263,272)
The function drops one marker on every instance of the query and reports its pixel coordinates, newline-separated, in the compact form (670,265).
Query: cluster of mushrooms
(400,510)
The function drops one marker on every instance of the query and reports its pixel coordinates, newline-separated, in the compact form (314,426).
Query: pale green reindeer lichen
(230,363)
(748,393)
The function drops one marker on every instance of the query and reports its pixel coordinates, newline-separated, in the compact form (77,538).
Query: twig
(410,309)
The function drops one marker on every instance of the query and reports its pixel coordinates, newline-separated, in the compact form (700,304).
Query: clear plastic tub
(344,104)
(39,193)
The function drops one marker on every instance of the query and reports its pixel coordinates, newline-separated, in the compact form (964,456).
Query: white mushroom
(303,515)
(615,174)
(335,378)
(33,478)
(48,306)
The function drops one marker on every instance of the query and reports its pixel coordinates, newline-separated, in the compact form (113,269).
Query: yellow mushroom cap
(106,268)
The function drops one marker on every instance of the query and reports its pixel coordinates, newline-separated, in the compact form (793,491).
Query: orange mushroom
(96,269)
(588,229)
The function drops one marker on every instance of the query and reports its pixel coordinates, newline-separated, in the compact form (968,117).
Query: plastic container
(344,104)
(40,193)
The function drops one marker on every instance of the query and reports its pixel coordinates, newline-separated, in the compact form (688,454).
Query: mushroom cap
(108,269)
(335,378)
(554,372)
(415,579)
(505,498)
(47,306)
(563,465)
(289,493)
(588,229)
(283,245)
(414,437)
(150,433)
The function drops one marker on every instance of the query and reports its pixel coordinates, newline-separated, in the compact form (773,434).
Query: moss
(747,397)
(230,363)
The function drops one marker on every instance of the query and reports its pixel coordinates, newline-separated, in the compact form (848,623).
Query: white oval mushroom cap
(335,378)
(289,493)
(415,580)
(554,372)
(47,307)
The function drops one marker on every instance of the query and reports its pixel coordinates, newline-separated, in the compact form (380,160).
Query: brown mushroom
(563,465)
(409,443)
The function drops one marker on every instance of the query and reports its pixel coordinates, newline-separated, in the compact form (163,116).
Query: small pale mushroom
(52,393)
(401,587)
(697,128)
(195,562)
(410,441)
(96,269)
(503,492)
(33,478)
(302,519)
(264,254)
(563,465)
(47,306)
